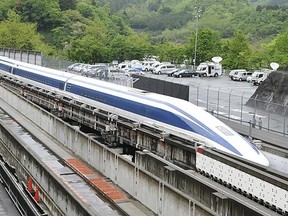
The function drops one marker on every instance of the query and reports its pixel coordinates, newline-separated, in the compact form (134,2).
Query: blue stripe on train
(152,113)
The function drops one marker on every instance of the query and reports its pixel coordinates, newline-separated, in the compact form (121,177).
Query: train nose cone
(261,159)
(265,161)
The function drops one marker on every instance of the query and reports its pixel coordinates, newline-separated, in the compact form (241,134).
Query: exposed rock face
(272,94)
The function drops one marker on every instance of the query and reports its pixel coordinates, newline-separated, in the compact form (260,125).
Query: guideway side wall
(192,184)
(140,184)
(48,184)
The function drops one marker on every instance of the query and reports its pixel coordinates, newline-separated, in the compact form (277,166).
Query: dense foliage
(246,34)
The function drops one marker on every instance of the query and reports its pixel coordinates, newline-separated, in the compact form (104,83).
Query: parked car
(165,68)
(148,65)
(172,72)
(235,72)
(258,77)
(241,76)
(78,67)
(156,66)
(73,66)
(130,72)
(185,73)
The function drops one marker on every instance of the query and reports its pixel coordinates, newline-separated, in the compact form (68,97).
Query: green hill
(245,34)
(175,20)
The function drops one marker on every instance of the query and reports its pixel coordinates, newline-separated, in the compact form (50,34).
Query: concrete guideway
(7,208)
(70,179)
(43,164)
(140,184)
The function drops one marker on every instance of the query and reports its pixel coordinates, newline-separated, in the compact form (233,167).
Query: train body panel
(170,114)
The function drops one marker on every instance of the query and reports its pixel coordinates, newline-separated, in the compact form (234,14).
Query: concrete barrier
(161,196)
(61,195)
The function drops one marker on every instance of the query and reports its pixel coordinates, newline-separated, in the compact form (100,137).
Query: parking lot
(226,98)
(220,95)
(222,83)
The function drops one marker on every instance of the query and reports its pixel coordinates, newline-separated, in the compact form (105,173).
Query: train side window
(61,86)
(224,130)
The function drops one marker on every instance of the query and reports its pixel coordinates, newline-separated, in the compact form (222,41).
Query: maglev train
(172,115)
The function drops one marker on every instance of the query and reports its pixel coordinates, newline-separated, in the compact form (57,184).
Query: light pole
(198,10)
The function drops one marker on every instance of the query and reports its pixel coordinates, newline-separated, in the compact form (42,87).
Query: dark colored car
(185,73)
(172,72)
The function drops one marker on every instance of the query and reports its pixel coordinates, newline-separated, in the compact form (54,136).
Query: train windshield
(224,130)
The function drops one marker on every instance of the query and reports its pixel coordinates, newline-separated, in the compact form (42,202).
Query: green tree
(5,5)
(237,53)
(46,13)
(130,47)
(208,45)
(72,28)
(92,47)
(86,10)
(67,4)
(171,52)
(18,35)
(276,51)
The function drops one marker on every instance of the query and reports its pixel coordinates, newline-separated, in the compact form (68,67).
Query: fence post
(197,98)
(207,106)
(229,104)
(268,121)
(241,115)
(218,101)
(284,126)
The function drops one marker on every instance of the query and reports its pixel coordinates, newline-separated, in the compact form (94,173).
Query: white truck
(258,77)
(209,69)
(213,69)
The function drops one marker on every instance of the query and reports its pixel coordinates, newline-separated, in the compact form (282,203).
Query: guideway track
(153,192)
(105,189)
(25,203)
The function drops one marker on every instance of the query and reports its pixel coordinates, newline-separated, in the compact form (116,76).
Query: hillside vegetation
(176,20)
(246,34)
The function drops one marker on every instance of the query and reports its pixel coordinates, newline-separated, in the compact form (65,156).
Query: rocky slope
(272,94)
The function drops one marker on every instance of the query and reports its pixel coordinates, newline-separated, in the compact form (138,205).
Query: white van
(164,68)
(241,76)
(234,72)
(148,65)
(258,77)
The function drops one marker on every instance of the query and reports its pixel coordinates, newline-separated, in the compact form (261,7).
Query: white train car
(172,115)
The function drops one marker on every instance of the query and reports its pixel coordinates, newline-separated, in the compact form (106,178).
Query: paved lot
(222,83)
(227,98)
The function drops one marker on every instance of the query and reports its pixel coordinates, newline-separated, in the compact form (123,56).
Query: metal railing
(55,63)
(29,56)
(242,108)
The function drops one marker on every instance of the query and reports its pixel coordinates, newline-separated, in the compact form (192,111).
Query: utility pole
(198,10)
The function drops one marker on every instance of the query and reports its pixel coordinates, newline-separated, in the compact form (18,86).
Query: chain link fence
(29,56)
(115,77)
(55,63)
(241,108)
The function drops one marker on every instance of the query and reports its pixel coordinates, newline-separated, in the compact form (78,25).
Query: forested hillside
(175,20)
(269,2)
(246,34)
